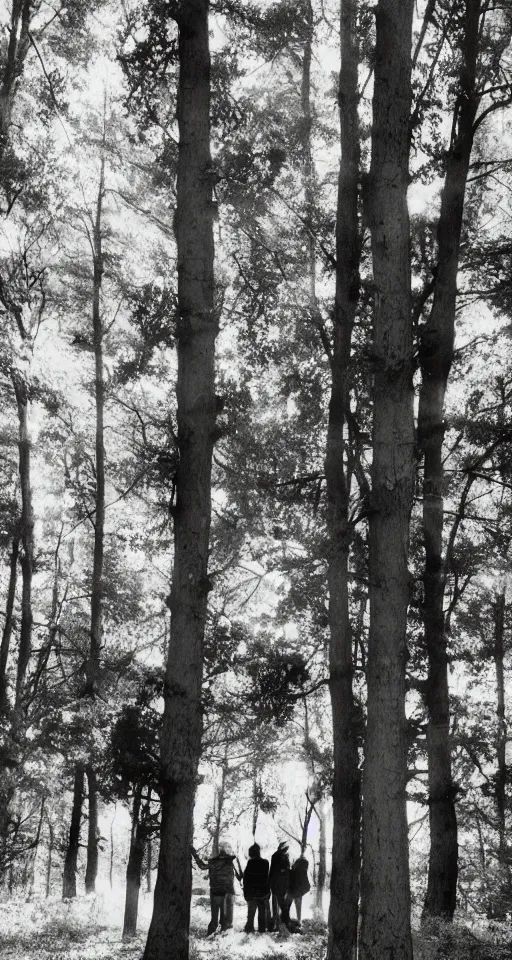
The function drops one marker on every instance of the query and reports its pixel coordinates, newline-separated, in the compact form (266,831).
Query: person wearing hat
(279,877)
(257,890)
(221,874)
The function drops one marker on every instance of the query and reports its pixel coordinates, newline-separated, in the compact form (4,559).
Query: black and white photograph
(255,479)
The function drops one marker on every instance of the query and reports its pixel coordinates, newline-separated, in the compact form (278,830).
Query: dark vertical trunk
(436,354)
(92,667)
(7,631)
(255,797)
(91,870)
(27,537)
(71,859)
(343,910)
(385,887)
(504,900)
(15,54)
(196,333)
(51,841)
(149,856)
(134,867)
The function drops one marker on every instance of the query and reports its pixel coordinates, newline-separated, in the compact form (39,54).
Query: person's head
(225,848)
(283,847)
(254,851)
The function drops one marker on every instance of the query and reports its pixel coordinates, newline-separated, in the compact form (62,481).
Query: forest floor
(89,928)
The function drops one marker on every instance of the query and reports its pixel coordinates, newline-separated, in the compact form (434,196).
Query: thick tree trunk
(7,631)
(71,859)
(15,54)
(436,354)
(134,867)
(27,537)
(385,888)
(91,870)
(343,910)
(197,329)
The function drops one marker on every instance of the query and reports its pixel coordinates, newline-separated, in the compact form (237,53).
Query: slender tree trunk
(111,868)
(385,887)
(91,870)
(51,841)
(343,910)
(27,537)
(149,856)
(92,667)
(197,330)
(7,631)
(134,867)
(322,861)
(220,796)
(505,894)
(71,860)
(436,356)
(34,852)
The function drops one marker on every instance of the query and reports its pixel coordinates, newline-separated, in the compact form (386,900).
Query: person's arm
(200,863)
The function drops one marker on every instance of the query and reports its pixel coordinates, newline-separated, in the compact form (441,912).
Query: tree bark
(343,910)
(17,49)
(196,333)
(385,887)
(149,857)
(91,870)
(8,623)
(436,355)
(27,537)
(96,631)
(49,864)
(322,861)
(134,867)
(504,900)
(71,860)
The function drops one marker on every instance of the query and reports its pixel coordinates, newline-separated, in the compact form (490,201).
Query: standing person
(299,884)
(257,890)
(279,882)
(221,874)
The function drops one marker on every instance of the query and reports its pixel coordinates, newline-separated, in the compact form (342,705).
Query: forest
(255,474)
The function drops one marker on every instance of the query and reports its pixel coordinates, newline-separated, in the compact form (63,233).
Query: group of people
(269,889)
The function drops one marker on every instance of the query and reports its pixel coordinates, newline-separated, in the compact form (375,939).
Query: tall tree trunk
(71,859)
(385,887)
(7,631)
(15,54)
(322,860)
(51,843)
(436,354)
(27,537)
(220,796)
(134,867)
(149,857)
(343,910)
(91,870)
(197,330)
(92,667)
(505,894)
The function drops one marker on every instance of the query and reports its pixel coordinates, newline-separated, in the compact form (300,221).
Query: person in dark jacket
(221,874)
(257,890)
(279,877)
(299,883)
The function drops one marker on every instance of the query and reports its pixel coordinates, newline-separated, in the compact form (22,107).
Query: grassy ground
(90,929)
